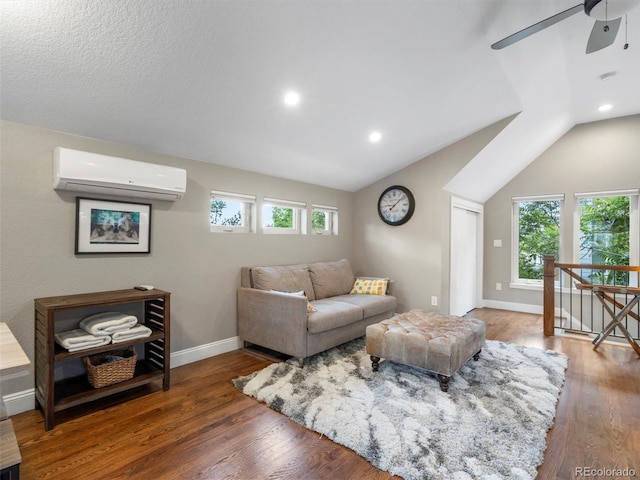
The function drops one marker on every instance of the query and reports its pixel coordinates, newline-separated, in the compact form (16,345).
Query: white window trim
(299,216)
(249,212)
(516,281)
(634,221)
(331,216)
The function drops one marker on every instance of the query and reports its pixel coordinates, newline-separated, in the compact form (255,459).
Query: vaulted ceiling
(205,80)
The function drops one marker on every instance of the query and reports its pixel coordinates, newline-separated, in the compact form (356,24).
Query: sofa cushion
(331,278)
(330,314)
(285,277)
(370,304)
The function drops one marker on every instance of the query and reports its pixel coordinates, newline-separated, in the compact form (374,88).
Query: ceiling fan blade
(600,39)
(524,33)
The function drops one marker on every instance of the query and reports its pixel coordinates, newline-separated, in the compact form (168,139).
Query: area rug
(492,424)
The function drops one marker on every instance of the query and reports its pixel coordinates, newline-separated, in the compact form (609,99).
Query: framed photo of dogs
(111,226)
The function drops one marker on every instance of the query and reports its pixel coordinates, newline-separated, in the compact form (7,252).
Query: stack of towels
(101,329)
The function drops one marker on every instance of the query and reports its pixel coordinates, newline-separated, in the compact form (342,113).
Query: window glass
(605,236)
(283,216)
(230,212)
(324,220)
(538,234)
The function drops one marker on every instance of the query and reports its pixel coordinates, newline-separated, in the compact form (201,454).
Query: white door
(466,228)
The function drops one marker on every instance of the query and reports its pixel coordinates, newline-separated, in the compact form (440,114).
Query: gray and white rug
(492,424)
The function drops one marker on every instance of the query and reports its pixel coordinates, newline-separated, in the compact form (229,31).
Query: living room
(201,269)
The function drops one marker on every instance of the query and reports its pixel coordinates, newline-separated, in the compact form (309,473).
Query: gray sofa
(271,316)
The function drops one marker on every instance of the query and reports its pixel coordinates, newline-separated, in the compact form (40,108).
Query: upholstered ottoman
(432,341)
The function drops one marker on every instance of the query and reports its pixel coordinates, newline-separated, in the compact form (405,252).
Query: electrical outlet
(434,301)
(498,286)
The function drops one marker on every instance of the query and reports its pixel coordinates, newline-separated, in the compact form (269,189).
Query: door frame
(477,208)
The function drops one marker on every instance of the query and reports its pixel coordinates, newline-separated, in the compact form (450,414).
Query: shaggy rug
(492,424)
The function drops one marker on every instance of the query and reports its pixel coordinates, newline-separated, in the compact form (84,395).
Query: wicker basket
(101,373)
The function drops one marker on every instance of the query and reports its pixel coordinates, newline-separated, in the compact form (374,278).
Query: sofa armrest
(274,320)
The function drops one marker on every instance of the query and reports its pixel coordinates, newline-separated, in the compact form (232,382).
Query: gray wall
(597,156)
(201,269)
(416,255)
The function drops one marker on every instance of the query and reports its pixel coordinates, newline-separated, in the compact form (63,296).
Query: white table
(13,363)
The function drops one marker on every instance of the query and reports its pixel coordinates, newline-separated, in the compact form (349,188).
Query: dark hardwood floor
(204,428)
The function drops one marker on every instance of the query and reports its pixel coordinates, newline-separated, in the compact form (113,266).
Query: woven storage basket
(101,374)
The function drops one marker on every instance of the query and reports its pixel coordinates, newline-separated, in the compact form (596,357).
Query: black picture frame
(112,226)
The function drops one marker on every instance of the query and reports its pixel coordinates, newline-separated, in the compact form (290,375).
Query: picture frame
(112,226)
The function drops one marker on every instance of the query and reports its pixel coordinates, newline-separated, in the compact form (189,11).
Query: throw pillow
(370,286)
(310,308)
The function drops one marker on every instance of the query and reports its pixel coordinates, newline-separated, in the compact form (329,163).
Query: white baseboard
(26,400)
(20,402)
(516,307)
(190,355)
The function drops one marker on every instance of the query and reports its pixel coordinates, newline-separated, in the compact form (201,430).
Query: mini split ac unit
(91,172)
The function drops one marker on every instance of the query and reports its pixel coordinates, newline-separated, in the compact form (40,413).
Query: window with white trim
(324,220)
(536,233)
(283,216)
(606,233)
(232,212)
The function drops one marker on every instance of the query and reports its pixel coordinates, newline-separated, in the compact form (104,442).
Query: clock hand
(394,205)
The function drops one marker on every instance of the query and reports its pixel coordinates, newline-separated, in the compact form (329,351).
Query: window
(536,233)
(324,220)
(283,216)
(606,226)
(232,212)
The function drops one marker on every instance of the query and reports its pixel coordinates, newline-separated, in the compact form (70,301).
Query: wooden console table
(54,396)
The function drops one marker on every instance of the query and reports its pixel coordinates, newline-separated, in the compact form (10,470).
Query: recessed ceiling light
(605,108)
(291,98)
(375,137)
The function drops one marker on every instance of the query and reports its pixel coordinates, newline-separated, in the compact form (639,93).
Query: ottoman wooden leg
(375,363)
(476,356)
(444,382)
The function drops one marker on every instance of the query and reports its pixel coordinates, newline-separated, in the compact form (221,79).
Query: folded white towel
(139,331)
(106,323)
(78,339)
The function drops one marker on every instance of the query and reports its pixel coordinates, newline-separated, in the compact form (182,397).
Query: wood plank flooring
(203,428)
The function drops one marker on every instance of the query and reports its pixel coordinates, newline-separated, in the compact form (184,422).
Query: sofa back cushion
(331,278)
(290,278)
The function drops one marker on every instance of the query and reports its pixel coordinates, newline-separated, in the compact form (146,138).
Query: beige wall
(591,157)
(201,269)
(416,255)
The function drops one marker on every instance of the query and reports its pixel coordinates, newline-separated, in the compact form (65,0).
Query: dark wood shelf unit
(56,396)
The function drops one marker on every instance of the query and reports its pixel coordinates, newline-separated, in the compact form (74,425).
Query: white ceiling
(205,79)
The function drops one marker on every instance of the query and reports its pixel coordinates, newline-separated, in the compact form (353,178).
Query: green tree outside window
(539,235)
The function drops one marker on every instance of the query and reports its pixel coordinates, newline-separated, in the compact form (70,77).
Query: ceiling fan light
(608,9)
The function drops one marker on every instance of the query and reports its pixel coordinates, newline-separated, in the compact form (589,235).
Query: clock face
(396,205)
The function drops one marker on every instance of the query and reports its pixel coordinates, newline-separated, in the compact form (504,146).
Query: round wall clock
(396,205)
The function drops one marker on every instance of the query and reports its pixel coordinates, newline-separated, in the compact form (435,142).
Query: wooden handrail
(626,268)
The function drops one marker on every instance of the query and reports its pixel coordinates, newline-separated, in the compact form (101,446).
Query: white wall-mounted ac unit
(91,172)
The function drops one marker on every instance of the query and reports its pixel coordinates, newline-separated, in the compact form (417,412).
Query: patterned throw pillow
(370,286)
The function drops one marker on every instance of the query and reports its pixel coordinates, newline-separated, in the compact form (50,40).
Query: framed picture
(110,226)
